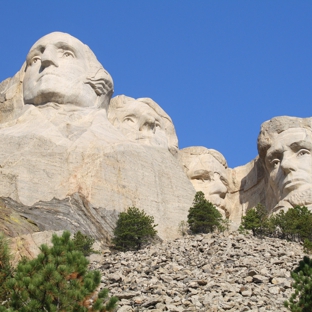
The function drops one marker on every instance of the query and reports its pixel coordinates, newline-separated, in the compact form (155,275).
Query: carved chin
(84,96)
(301,198)
(44,97)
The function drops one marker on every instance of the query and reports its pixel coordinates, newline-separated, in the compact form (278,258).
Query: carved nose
(49,57)
(287,164)
(147,123)
(219,187)
(223,190)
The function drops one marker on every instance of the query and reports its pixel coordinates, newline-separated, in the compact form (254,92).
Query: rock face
(28,245)
(143,121)
(66,166)
(212,272)
(126,175)
(232,191)
(281,176)
(285,148)
(207,171)
(246,189)
(73,157)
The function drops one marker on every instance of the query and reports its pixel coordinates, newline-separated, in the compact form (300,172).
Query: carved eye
(224,181)
(303,152)
(128,120)
(35,59)
(157,125)
(208,176)
(275,162)
(68,54)
(201,175)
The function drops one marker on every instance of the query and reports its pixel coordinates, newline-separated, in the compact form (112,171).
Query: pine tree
(83,243)
(203,216)
(134,229)
(295,223)
(6,269)
(256,219)
(301,299)
(57,280)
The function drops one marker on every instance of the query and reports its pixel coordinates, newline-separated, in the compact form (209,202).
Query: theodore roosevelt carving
(207,170)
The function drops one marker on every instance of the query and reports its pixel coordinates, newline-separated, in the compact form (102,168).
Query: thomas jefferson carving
(143,121)
(285,147)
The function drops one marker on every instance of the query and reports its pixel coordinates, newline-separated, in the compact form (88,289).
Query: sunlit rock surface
(65,165)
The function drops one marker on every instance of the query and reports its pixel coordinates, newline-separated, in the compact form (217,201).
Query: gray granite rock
(231,273)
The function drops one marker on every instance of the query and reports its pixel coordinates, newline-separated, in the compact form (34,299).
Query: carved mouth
(47,74)
(216,200)
(293,183)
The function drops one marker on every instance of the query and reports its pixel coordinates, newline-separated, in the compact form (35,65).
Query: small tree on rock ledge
(134,228)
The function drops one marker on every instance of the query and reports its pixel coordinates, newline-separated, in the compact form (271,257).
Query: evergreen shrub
(203,216)
(84,243)
(6,269)
(134,229)
(57,280)
(301,299)
(256,220)
(294,225)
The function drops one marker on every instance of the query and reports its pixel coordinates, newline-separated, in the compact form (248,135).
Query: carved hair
(276,125)
(201,150)
(121,101)
(98,78)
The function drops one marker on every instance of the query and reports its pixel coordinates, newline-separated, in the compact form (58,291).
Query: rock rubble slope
(211,272)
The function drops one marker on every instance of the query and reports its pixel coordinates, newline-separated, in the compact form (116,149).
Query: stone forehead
(282,123)
(57,36)
(293,132)
(123,102)
(136,106)
(271,128)
(288,137)
(195,151)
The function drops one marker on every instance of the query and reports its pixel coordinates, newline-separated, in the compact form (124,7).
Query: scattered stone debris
(211,272)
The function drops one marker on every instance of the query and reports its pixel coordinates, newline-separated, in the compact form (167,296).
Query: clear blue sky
(218,68)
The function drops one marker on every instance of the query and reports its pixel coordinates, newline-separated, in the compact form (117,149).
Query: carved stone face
(208,175)
(56,72)
(141,123)
(289,162)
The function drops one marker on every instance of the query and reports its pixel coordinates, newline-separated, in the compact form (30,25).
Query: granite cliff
(73,157)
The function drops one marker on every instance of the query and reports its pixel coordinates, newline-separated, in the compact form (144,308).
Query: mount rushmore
(73,157)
